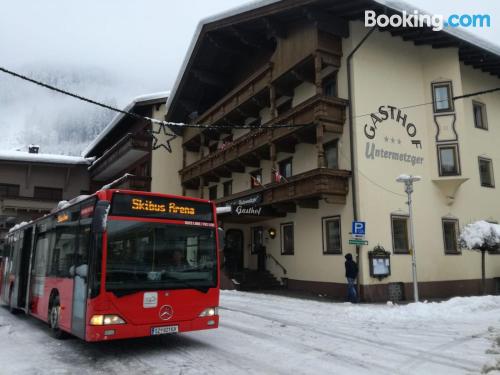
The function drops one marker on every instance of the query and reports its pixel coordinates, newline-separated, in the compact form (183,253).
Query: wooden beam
(274,28)
(245,38)
(327,22)
(225,46)
(208,78)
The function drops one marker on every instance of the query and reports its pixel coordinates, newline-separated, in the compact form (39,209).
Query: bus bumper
(127,331)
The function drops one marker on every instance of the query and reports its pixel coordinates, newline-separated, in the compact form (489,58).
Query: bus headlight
(210,311)
(105,320)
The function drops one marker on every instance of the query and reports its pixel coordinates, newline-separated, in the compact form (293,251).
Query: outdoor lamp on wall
(271,232)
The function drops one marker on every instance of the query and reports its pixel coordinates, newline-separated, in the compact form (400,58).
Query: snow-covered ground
(267,334)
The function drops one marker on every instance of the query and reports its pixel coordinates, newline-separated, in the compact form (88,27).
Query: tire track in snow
(445,360)
(298,345)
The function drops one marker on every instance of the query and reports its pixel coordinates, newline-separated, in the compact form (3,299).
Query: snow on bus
(116,264)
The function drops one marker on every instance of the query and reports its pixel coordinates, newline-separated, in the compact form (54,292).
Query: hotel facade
(291,188)
(363,107)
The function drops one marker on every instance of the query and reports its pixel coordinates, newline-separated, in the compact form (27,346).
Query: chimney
(33,149)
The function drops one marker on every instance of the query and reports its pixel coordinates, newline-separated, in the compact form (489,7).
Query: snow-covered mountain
(59,124)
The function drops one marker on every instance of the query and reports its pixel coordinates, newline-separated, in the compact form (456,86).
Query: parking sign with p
(358,229)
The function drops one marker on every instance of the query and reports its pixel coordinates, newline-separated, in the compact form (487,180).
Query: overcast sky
(133,47)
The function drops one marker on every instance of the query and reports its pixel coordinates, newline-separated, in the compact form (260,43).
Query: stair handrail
(277,262)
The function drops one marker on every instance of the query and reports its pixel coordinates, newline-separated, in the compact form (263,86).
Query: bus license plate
(164,330)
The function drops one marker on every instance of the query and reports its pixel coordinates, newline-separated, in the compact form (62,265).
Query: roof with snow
(26,157)
(219,41)
(142,100)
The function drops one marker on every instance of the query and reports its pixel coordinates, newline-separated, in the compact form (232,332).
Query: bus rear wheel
(54,317)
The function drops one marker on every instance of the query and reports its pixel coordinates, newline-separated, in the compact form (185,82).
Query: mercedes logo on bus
(166,312)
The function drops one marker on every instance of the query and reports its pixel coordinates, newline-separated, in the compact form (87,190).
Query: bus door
(24,268)
(81,271)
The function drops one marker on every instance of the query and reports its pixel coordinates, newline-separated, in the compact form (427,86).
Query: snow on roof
(119,116)
(480,233)
(396,5)
(22,156)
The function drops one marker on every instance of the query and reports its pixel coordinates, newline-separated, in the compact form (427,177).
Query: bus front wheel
(54,317)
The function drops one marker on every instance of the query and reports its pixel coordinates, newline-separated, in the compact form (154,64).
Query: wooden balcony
(124,153)
(139,183)
(303,190)
(249,149)
(250,96)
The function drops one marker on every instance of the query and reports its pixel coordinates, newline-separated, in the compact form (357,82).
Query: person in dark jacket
(351,273)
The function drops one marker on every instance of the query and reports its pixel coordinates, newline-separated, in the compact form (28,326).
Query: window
(256,178)
(285,167)
(450,236)
(331,155)
(228,188)
(442,97)
(448,160)
(486,172)
(9,190)
(400,242)
(212,192)
(330,86)
(479,110)
(52,194)
(287,239)
(332,240)
(257,238)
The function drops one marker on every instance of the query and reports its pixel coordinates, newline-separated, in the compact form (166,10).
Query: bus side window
(41,255)
(82,250)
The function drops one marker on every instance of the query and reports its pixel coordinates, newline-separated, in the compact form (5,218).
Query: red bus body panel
(185,304)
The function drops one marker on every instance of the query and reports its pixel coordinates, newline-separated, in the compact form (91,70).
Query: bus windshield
(147,255)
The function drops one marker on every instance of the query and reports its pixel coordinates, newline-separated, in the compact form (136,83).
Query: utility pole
(408,181)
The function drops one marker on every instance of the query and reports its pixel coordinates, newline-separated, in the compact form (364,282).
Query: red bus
(117,264)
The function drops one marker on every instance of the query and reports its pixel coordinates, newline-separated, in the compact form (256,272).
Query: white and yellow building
(287,63)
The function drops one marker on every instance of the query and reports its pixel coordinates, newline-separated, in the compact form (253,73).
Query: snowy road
(265,334)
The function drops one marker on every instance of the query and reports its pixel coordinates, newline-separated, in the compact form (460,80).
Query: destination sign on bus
(160,207)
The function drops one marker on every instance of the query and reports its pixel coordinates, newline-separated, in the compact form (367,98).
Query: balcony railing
(304,189)
(317,110)
(140,183)
(249,89)
(130,149)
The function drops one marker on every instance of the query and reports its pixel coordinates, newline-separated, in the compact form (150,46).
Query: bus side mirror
(220,233)
(100,216)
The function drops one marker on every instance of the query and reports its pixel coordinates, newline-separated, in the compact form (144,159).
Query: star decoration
(166,144)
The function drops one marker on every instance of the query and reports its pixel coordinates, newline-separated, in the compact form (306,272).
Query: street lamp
(408,181)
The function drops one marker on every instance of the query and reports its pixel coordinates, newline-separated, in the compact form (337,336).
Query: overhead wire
(202,126)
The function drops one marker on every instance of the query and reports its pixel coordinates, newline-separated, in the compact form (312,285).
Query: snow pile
(455,309)
(17,226)
(480,234)
(117,181)
(458,309)
(42,158)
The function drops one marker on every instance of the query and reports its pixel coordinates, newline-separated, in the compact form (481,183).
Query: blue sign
(358,228)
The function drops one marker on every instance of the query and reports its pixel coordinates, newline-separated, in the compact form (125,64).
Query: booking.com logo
(416,19)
